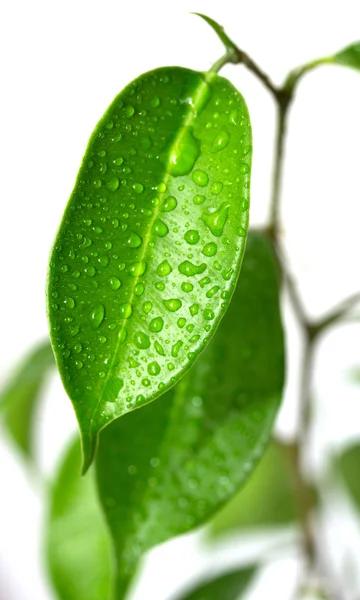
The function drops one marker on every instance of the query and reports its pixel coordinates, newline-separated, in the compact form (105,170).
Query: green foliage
(77,541)
(267,499)
(166,468)
(151,243)
(224,587)
(18,399)
(349,465)
(348,57)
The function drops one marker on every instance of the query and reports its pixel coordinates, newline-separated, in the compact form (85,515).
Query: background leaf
(166,468)
(77,539)
(349,465)
(225,587)
(349,56)
(151,243)
(19,397)
(267,498)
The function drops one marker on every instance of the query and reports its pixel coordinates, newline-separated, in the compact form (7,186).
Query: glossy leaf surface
(151,243)
(77,539)
(225,587)
(166,468)
(349,56)
(19,397)
(267,498)
(349,465)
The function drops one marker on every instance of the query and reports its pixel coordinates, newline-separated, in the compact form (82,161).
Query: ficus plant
(166,325)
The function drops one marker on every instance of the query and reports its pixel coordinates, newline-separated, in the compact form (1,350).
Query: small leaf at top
(153,236)
(230,47)
(349,465)
(349,56)
(228,586)
(19,397)
(77,542)
(165,469)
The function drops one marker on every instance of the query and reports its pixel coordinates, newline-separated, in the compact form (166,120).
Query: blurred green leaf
(163,470)
(348,57)
(153,236)
(224,587)
(267,499)
(77,541)
(18,399)
(349,464)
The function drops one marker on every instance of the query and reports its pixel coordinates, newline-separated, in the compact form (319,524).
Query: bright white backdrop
(62,64)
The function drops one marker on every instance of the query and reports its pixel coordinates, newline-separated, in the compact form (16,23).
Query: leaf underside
(150,247)
(228,586)
(165,469)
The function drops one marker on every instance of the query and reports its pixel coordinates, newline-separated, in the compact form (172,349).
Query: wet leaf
(151,242)
(165,469)
(225,587)
(266,500)
(349,465)
(77,542)
(18,399)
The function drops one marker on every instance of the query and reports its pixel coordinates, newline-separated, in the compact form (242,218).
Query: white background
(62,64)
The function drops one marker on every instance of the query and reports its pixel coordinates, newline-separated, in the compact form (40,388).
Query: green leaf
(225,587)
(231,48)
(78,549)
(267,499)
(167,468)
(19,397)
(349,465)
(151,243)
(349,56)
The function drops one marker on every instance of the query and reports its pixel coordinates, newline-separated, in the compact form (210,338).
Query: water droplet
(70,302)
(173,304)
(159,228)
(155,102)
(194,338)
(183,155)
(146,382)
(97,315)
(216,188)
(209,314)
(228,274)
(181,322)
(200,178)
(160,285)
(161,187)
(125,310)
(156,325)
(153,368)
(216,220)
(164,269)
(244,168)
(141,340)
(113,184)
(128,111)
(159,349)
(79,365)
(134,240)
(122,335)
(169,204)
(176,348)
(137,269)
(118,161)
(147,306)
(189,269)
(139,289)
(241,232)
(187,287)
(204,281)
(138,188)
(212,291)
(220,141)
(102,339)
(194,309)
(77,348)
(209,249)
(234,117)
(97,183)
(199,199)
(192,236)
(190,327)
(244,204)
(90,271)
(115,283)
